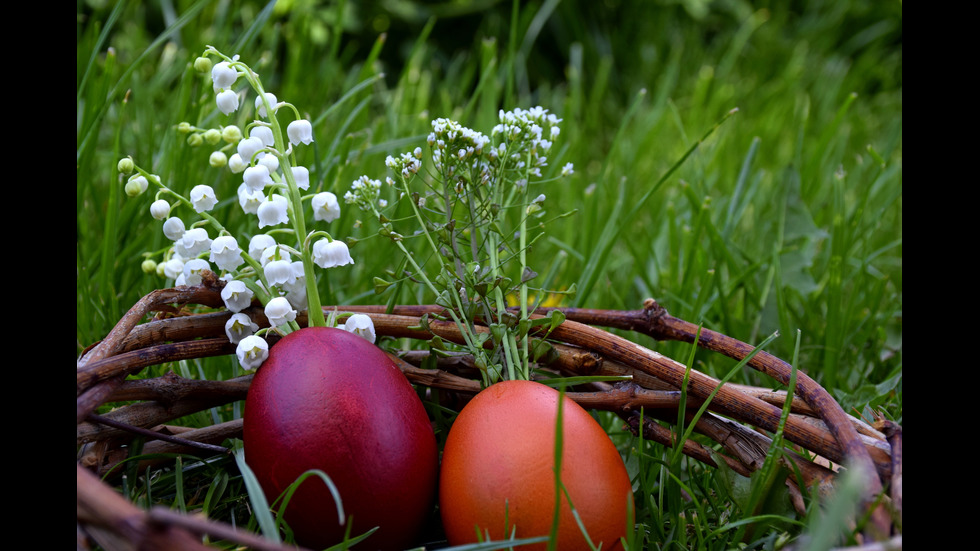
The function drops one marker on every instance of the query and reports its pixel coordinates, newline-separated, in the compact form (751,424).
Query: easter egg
(497,472)
(330,400)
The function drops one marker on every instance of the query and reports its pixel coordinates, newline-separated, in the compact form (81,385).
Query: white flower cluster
(458,151)
(523,130)
(364,192)
(271,271)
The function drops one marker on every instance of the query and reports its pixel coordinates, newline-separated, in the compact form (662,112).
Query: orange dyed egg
(497,471)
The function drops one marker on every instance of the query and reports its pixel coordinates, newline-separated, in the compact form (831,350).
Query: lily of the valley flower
(236,295)
(173,268)
(278,272)
(227,101)
(223,76)
(225,253)
(279,311)
(193,271)
(160,209)
(260,105)
(259,243)
(325,207)
(263,133)
(203,198)
(300,131)
(239,326)
(273,212)
(302,176)
(252,351)
(249,199)
(257,177)
(361,324)
(194,242)
(330,254)
(248,147)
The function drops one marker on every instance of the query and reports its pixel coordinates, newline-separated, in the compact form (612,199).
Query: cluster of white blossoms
(272,271)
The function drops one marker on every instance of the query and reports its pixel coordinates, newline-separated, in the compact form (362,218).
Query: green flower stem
(314,311)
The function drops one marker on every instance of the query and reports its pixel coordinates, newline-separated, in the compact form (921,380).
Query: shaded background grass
(787,218)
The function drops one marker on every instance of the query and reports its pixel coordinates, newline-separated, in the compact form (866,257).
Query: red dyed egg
(498,470)
(330,400)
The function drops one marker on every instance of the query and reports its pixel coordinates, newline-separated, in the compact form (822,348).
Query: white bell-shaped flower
(269,161)
(239,326)
(252,351)
(236,164)
(273,252)
(203,198)
(248,147)
(300,131)
(302,176)
(260,105)
(194,242)
(227,101)
(361,324)
(325,206)
(236,295)
(263,133)
(279,311)
(160,209)
(226,253)
(279,272)
(273,212)
(257,177)
(259,243)
(173,228)
(330,254)
(223,76)
(193,270)
(173,267)
(249,199)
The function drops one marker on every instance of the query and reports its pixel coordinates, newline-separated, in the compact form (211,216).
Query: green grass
(786,218)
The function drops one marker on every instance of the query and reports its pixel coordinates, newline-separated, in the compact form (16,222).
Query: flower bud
(125,165)
(212,136)
(218,159)
(149,266)
(184,127)
(195,140)
(231,134)
(136,185)
(202,65)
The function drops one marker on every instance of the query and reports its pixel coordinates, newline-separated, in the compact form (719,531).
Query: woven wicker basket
(738,418)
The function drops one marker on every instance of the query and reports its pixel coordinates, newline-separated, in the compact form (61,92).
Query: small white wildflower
(239,326)
(173,268)
(160,209)
(302,176)
(193,270)
(236,164)
(257,177)
(260,105)
(279,311)
(273,212)
(203,198)
(194,242)
(173,228)
(225,253)
(236,295)
(300,131)
(567,169)
(252,351)
(361,324)
(259,243)
(223,76)
(263,133)
(248,147)
(330,254)
(249,199)
(278,272)
(227,101)
(325,207)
